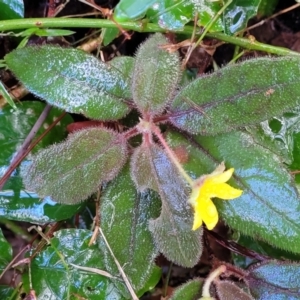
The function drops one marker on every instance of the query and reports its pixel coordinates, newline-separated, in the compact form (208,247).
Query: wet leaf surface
(128,10)
(238,14)
(54,278)
(11,9)
(171,15)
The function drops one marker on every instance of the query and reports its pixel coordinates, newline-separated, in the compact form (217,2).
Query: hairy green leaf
(274,280)
(188,291)
(125,214)
(172,231)
(71,171)
(72,80)
(53,276)
(124,65)
(237,96)
(269,208)
(17,203)
(155,77)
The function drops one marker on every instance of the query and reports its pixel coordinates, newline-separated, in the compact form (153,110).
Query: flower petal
(197,220)
(206,211)
(221,178)
(224,191)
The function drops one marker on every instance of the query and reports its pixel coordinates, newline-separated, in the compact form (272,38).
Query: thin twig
(93,270)
(25,249)
(17,162)
(26,144)
(271,17)
(128,284)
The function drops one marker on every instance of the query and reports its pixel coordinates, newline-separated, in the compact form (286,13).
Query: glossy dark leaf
(227,290)
(11,9)
(109,35)
(285,131)
(188,291)
(269,208)
(171,15)
(237,96)
(46,32)
(127,10)
(172,231)
(281,146)
(155,77)
(261,248)
(5,94)
(7,293)
(54,277)
(266,7)
(16,202)
(6,252)
(125,214)
(238,14)
(5,258)
(206,11)
(71,171)
(274,280)
(174,15)
(72,80)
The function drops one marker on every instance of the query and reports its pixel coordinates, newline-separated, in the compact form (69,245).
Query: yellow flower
(207,187)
